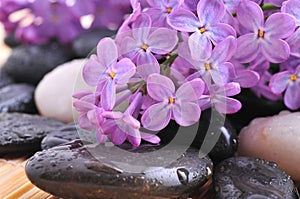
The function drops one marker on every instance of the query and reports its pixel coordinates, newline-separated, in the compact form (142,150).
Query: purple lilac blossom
(180,105)
(219,98)
(292,7)
(106,73)
(263,37)
(288,81)
(206,28)
(216,67)
(144,42)
(159,11)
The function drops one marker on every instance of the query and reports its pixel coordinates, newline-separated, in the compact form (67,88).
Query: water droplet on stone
(183,175)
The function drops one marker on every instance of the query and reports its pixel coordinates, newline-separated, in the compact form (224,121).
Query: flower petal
(247,78)
(186,113)
(101,138)
(154,139)
(279,82)
(160,87)
(162,41)
(200,46)
(183,20)
(107,52)
(190,91)
(280,25)
(108,97)
(141,27)
(292,96)
(250,15)
(118,137)
(227,105)
(222,73)
(224,50)
(247,48)
(84,122)
(156,117)
(279,55)
(294,43)
(292,7)
(219,32)
(92,71)
(210,12)
(124,70)
(146,58)
(134,137)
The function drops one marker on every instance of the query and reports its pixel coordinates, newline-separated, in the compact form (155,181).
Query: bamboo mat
(14,183)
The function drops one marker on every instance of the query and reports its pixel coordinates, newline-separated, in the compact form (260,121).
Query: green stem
(170,60)
(269,6)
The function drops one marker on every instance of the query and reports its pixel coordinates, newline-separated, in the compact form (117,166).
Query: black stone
(73,171)
(216,128)
(5,79)
(62,135)
(30,63)
(23,133)
(11,41)
(254,107)
(250,178)
(87,41)
(17,98)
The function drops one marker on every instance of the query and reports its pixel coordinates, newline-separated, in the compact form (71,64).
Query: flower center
(207,66)
(112,75)
(145,47)
(293,77)
(171,100)
(202,30)
(55,18)
(261,33)
(169,10)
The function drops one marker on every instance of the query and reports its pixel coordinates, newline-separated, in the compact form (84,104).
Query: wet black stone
(23,133)
(17,98)
(30,63)
(11,41)
(87,41)
(250,178)
(216,128)
(5,79)
(253,107)
(62,135)
(73,171)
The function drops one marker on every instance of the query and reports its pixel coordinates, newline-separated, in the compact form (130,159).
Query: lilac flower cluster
(172,59)
(38,21)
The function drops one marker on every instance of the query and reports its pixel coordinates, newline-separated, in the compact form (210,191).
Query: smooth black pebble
(216,136)
(22,133)
(250,178)
(11,41)
(62,135)
(97,171)
(29,63)
(5,79)
(86,42)
(17,98)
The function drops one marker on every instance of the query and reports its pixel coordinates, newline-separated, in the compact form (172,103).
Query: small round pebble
(17,98)
(29,63)
(251,178)
(275,139)
(53,95)
(73,171)
(216,128)
(21,133)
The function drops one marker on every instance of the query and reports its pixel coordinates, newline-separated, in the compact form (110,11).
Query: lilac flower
(180,105)
(288,81)
(144,43)
(292,7)
(277,2)
(218,98)
(216,67)
(263,37)
(206,28)
(106,73)
(160,10)
(121,126)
